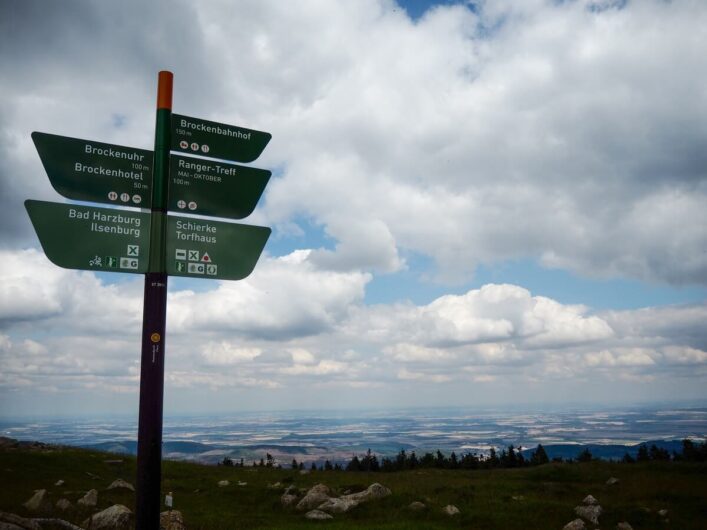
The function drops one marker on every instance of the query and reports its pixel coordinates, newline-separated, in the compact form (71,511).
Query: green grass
(484,497)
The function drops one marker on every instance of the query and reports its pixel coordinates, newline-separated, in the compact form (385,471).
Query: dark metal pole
(149,438)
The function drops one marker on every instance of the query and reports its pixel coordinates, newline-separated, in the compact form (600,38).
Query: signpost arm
(149,444)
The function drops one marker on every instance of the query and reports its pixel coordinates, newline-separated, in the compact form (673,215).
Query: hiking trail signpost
(151,242)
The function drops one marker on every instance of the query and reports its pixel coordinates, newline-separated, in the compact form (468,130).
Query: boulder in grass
(12,521)
(450,510)
(624,526)
(590,513)
(63,505)
(223,483)
(374,491)
(39,503)
(90,500)
(120,483)
(612,481)
(317,515)
(59,483)
(338,505)
(590,500)
(577,524)
(172,520)
(663,512)
(117,517)
(317,495)
(416,506)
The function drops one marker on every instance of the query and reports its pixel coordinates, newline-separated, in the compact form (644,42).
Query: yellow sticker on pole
(155,337)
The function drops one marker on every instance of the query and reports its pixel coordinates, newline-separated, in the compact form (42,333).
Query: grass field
(484,497)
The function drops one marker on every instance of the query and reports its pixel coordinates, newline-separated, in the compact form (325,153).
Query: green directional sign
(217,140)
(91,238)
(93,171)
(200,248)
(211,188)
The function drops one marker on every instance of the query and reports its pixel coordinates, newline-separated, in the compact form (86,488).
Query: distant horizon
(566,407)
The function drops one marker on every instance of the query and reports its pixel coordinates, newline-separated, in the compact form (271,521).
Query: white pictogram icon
(193,255)
(112,195)
(194,146)
(137,199)
(125,197)
(96,262)
(192,205)
(184,144)
(206,258)
(204,148)
(180,253)
(181,204)
(211,269)
(133,250)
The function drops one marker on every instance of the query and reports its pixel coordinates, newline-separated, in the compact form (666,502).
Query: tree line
(511,457)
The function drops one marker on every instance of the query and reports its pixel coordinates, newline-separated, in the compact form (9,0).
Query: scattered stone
(338,505)
(317,495)
(577,524)
(304,471)
(624,526)
(374,491)
(172,520)
(63,504)
(89,500)
(39,502)
(590,513)
(612,481)
(590,500)
(287,500)
(663,512)
(416,506)
(120,483)
(275,486)
(518,498)
(15,521)
(316,515)
(117,517)
(94,477)
(59,483)
(223,483)
(450,510)
(242,483)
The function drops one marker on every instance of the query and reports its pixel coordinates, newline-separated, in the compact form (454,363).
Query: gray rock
(624,526)
(590,513)
(242,483)
(450,510)
(316,515)
(117,517)
(317,495)
(15,521)
(223,483)
(59,483)
(590,500)
(287,500)
(304,471)
(63,504)
(612,481)
(518,497)
(374,491)
(663,512)
(338,505)
(577,524)
(120,483)
(172,520)
(275,486)
(39,502)
(416,506)
(89,500)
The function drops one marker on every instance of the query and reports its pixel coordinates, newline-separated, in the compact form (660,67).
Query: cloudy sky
(473,203)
